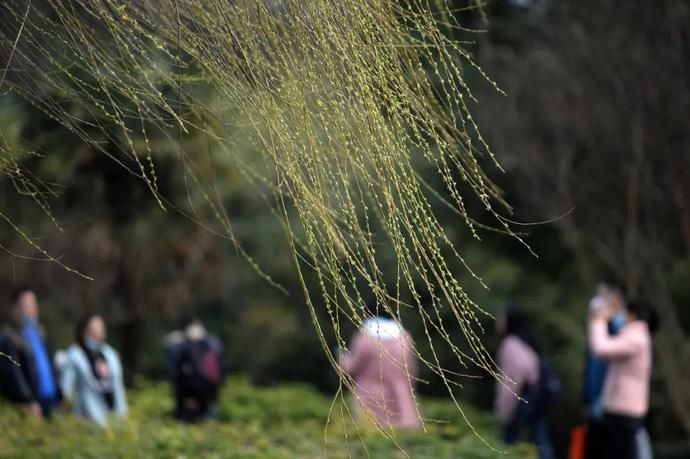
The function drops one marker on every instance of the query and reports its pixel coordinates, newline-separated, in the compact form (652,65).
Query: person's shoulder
(512,342)
(105,347)
(636,333)
(6,333)
(74,350)
(513,345)
(9,332)
(638,330)
(108,349)
(214,342)
(8,342)
(75,355)
(635,327)
(362,339)
(174,338)
(406,336)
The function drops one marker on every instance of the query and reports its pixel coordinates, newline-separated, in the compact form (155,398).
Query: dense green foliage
(289,421)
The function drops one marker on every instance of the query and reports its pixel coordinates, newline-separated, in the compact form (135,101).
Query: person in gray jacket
(91,374)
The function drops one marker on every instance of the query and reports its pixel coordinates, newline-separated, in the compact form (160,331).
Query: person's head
(24,304)
(638,309)
(512,321)
(376,309)
(90,332)
(192,327)
(613,294)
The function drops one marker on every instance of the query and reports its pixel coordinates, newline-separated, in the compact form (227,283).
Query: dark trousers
(191,406)
(535,422)
(47,407)
(595,441)
(620,437)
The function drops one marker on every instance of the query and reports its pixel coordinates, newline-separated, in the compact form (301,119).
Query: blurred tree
(597,123)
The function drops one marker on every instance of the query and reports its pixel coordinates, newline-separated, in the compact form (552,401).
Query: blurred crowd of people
(380,368)
(617,377)
(89,373)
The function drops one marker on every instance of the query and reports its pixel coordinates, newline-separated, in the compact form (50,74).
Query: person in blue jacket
(27,375)
(91,374)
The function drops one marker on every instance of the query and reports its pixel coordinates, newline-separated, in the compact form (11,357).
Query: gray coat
(79,384)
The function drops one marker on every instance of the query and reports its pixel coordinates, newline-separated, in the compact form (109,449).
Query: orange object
(578,437)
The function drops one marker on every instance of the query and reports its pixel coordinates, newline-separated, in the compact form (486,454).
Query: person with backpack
(195,370)
(91,374)
(522,401)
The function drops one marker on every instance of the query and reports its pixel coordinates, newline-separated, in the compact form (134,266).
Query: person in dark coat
(27,374)
(194,361)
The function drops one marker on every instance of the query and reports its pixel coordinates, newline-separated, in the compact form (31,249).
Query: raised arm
(608,347)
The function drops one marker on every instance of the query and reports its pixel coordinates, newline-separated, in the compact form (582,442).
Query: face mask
(92,344)
(617,321)
(28,321)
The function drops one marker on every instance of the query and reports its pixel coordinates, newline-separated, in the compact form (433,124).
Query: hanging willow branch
(342,100)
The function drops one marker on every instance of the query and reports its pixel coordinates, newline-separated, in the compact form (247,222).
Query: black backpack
(549,388)
(198,369)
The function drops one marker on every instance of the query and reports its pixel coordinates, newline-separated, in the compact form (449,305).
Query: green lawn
(289,421)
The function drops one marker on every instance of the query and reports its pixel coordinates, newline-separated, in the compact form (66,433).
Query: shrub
(288,421)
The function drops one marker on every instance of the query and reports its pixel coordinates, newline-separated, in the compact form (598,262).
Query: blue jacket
(19,378)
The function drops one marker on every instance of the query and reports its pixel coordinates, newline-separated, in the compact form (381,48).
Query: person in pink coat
(382,366)
(626,388)
(519,360)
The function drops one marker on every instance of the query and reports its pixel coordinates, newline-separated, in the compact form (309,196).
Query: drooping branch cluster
(341,101)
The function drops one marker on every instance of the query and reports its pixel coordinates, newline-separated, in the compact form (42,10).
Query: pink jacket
(520,363)
(629,353)
(382,370)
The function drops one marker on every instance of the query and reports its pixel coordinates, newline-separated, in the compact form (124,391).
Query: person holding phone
(607,293)
(625,398)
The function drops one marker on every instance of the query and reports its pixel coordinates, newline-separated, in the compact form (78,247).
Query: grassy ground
(290,421)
